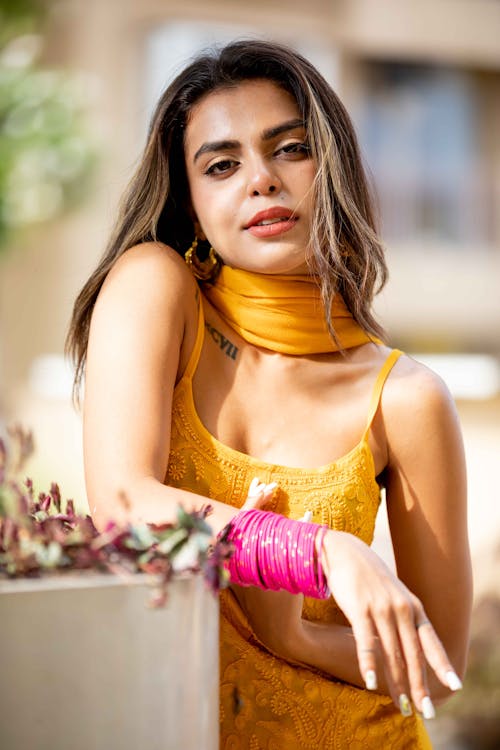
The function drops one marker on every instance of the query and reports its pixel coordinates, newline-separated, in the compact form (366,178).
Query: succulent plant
(41,535)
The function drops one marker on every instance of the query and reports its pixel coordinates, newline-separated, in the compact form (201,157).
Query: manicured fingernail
(371,680)
(253,485)
(454,681)
(307,516)
(428,711)
(256,488)
(404,705)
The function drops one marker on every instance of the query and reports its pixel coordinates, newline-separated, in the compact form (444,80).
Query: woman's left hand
(388,621)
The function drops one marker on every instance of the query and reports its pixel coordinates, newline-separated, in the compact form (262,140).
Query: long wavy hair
(347,256)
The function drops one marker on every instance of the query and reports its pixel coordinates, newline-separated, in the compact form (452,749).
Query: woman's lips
(279,226)
(271,221)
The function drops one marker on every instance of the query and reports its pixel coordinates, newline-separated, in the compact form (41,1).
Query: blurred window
(424,134)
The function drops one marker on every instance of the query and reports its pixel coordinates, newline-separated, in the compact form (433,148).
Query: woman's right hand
(387,620)
(259,494)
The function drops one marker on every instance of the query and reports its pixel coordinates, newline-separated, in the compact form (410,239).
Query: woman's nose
(263,181)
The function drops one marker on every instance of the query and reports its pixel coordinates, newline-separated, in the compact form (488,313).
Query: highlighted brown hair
(347,256)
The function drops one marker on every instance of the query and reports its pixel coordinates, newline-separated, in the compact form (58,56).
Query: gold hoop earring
(203,270)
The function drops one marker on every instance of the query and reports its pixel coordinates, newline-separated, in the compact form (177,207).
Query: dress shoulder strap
(378,387)
(195,354)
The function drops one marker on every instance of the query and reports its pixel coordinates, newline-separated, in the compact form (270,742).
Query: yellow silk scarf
(281,313)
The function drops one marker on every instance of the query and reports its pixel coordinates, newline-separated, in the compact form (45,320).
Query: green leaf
(175,538)
(142,537)
(184,519)
(49,556)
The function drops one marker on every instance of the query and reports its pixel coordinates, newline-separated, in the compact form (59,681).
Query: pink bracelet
(274,552)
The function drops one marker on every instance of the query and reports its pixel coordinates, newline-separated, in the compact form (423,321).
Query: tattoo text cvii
(227,347)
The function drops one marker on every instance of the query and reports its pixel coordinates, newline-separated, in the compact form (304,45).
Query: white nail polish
(428,711)
(371,680)
(404,705)
(453,680)
(253,485)
(307,516)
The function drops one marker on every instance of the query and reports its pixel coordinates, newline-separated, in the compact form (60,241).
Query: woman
(205,373)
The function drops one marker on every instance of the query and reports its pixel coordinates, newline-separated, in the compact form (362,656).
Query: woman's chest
(295,411)
(342,494)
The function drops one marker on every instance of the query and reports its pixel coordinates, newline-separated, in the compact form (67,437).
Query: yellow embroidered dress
(266,703)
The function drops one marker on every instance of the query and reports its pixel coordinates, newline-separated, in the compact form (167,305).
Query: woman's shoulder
(152,274)
(148,305)
(154,262)
(405,379)
(416,403)
(148,290)
(413,382)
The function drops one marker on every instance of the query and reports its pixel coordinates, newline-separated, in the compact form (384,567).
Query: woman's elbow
(107,506)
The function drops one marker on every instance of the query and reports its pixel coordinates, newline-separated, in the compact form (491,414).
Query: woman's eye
(221,166)
(300,148)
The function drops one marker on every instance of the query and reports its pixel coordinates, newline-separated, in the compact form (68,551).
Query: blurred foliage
(41,535)
(18,17)
(46,154)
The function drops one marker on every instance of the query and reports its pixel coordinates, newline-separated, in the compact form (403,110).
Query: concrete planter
(86,665)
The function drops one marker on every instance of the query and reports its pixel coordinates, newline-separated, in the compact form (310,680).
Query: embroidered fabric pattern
(265,703)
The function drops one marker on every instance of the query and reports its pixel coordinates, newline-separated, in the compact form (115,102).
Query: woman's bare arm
(426,501)
(275,617)
(142,333)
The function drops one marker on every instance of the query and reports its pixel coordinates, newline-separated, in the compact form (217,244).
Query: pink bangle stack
(274,552)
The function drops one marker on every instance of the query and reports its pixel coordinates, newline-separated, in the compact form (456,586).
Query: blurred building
(421,79)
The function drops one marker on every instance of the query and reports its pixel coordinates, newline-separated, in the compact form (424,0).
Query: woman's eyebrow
(270,133)
(216,146)
(267,135)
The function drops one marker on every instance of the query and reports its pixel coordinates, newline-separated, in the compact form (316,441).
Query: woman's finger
(414,657)
(436,655)
(366,648)
(378,605)
(393,658)
(259,494)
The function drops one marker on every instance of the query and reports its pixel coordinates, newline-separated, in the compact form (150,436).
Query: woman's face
(250,176)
